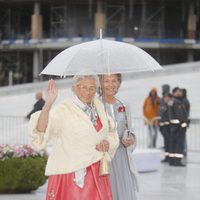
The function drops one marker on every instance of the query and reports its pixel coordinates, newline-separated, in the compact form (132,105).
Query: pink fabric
(63,187)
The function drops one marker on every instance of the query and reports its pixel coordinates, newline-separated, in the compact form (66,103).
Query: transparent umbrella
(102,57)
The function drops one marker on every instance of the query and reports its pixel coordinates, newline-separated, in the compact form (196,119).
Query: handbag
(127,133)
(104,166)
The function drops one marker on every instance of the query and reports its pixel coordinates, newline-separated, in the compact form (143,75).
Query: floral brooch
(122,109)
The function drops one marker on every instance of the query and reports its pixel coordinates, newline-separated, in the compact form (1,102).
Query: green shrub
(22,175)
(21,168)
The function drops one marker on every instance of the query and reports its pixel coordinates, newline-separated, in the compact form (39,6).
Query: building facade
(32,32)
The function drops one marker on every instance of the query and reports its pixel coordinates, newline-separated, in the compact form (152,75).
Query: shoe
(185,154)
(165,160)
(172,161)
(178,163)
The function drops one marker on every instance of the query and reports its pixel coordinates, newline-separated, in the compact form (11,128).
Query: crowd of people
(171,115)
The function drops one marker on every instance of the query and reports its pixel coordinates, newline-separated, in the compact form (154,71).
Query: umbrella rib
(108,61)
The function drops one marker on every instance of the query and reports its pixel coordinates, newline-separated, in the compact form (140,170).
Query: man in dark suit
(178,124)
(164,124)
(38,105)
(186,102)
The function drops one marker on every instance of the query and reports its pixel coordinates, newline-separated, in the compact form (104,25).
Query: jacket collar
(100,110)
(78,102)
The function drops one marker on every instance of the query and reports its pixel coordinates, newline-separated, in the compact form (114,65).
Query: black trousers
(165,131)
(177,139)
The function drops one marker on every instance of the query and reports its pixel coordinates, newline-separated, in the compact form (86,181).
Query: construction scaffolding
(14,68)
(58,21)
(5,24)
(115,19)
(23,21)
(152,19)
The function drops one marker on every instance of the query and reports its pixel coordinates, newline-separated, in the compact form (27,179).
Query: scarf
(91,112)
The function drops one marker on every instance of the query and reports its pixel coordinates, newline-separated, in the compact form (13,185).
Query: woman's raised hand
(51,92)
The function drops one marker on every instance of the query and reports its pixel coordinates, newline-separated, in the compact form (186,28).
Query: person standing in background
(164,124)
(186,101)
(187,109)
(150,111)
(38,104)
(178,124)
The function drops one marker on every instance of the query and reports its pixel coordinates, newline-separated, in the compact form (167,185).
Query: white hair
(77,78)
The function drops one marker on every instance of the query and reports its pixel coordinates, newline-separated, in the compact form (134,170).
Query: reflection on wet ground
(168,183)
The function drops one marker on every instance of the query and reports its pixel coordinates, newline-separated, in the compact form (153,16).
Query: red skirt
(63,187)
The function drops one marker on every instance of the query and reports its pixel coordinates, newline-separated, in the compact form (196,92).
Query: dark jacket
(36,107)
(187,106)
(163,113)
(177,111)
(186,102)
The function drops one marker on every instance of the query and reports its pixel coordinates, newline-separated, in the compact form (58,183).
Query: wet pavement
(168,183)
(172,183)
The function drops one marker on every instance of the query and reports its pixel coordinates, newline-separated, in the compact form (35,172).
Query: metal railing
(193,135)
(14,130)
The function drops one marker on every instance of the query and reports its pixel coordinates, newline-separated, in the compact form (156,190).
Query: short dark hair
(175,89)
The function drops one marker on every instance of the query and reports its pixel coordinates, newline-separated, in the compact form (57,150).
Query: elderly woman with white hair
(83,134)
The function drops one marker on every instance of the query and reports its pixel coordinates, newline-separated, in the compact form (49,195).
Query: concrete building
(32,32)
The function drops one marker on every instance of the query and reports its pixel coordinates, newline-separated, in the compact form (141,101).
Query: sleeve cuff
(38,139)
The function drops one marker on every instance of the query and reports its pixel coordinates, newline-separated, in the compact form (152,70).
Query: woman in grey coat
(123,174)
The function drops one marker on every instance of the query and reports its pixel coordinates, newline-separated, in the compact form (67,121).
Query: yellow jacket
(149,110)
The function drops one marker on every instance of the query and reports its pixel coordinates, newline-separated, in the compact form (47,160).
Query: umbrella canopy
(102,57)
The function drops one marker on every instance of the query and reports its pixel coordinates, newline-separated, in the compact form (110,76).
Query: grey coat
(123,173)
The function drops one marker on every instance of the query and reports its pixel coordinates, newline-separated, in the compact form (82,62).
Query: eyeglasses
(91,89)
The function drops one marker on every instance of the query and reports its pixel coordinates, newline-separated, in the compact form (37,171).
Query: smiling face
(85,90)
(110,84)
